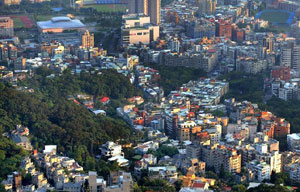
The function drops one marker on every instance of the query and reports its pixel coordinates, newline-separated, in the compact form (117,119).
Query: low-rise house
(163,172)
(111,149)
(144,147)
(22,141)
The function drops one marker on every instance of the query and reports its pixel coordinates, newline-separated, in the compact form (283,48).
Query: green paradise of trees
(52,119)
(173,77)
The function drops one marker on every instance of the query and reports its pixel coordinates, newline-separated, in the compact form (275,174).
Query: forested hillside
(10,157)
(52,119)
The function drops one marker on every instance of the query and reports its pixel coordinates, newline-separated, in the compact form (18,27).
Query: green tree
(239,188)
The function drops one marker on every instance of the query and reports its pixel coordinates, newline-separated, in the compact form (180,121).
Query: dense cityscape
(149,95)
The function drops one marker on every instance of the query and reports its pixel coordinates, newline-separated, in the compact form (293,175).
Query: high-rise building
(87,39)
(138,6)
(174,45)
(224,30)
(207,7)
(296,58)
(151,8)
(6,27)
(154,7)
(286,57)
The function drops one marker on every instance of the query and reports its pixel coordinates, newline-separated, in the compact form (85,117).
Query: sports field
(276,17)
(18,23)
(108,7)
(21,21)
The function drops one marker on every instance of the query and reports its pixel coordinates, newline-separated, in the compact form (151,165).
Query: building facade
(6,27)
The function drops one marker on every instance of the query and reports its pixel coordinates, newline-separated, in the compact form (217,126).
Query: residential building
(293,141)
(261,170)
(281,73)
(6,27)
(163,172)
(111,149)
(96,184)
(119,181)
(87,39)
(224,29)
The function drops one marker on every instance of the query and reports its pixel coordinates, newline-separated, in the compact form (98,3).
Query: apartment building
(6,27)
(260,170)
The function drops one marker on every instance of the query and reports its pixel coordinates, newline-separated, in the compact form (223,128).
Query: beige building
(87,39)
(137,29)
(12,2)
(95,183)
(6,27)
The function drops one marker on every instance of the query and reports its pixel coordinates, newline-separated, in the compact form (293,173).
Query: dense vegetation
(164,151)
(54,120)
(245,86)
(290,110)
(10,156)
(155,185)
(106,83)
(267,188)
(173,77)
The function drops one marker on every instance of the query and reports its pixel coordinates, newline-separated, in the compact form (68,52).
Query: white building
(111,149)
(293,141)
(260,169)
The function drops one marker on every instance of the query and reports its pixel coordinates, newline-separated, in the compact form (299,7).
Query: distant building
(12,2)
(154,11)
(260,170)
(22,141)
(138,6)
(201,29)
(60,24)
(6,27)
(281,73)
(293,141)
(95,183)
(87,39)
(138,29)
(119,181)
(150,8)
(207,7)
(62,29)
(224,30)
(110,149)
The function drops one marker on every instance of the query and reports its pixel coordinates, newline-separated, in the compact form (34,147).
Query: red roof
(104,99)
(199,185)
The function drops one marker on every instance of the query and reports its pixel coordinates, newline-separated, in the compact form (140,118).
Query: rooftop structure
(59,24)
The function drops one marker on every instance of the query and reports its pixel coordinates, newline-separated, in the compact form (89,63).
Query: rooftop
(61,22)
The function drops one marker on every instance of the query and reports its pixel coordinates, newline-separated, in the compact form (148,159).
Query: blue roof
(61,22)
(57,9)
